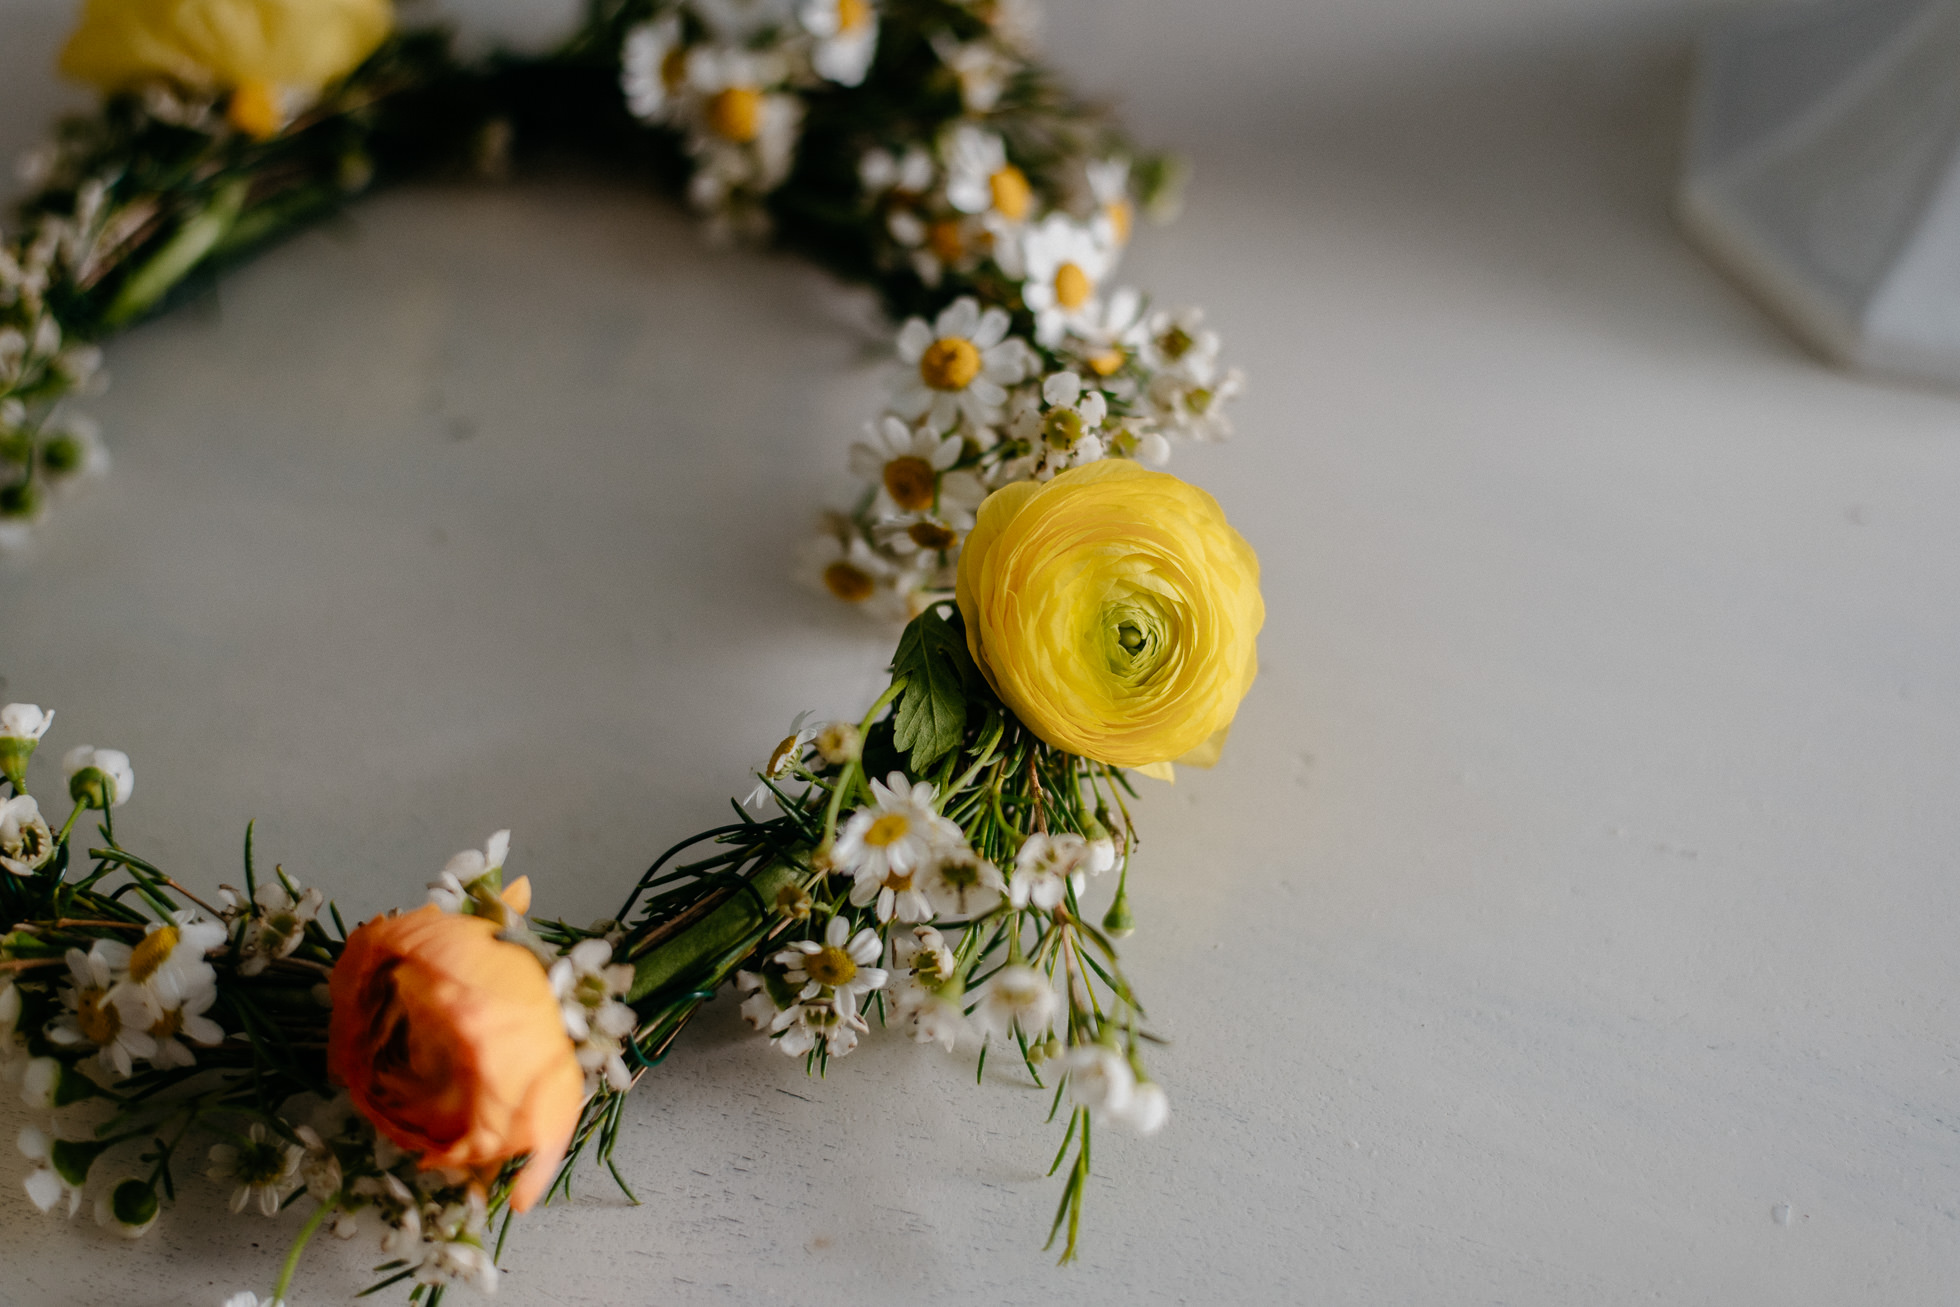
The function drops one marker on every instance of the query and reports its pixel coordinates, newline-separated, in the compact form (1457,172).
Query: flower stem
(306,1232)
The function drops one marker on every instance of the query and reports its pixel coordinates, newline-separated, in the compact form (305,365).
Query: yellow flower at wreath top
(1115,611)
(261,53)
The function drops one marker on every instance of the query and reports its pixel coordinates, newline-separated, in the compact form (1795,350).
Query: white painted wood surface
(1572,919)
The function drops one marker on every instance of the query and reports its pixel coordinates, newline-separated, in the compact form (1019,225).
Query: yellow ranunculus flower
(256,50)
(1115,611)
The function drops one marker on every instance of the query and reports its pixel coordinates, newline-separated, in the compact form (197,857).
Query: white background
(1577,897)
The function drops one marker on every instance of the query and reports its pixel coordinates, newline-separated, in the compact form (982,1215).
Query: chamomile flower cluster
(975,406)
(729,77)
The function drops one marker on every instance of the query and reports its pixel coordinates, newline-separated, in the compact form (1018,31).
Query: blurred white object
(1822,173)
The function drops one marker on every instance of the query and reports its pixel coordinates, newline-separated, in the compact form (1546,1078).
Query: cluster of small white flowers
(42,447)
(812,992)
(1049,866)
(146,1000)
(907,862)
(728,75)
(589,986)
(976,407)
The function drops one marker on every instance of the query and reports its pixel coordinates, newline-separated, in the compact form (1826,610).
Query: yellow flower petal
(1115,612)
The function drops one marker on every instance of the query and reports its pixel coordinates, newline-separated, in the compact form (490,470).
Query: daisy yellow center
(1122,218)
(830,966)
(673,68)
(931,535)
(852,15)
(736,114)
(1106,363)
(949,363)
(782,754)
(943,238)
(911,482)
(898,882)
(1011,192)
(97,1018)
(848,583)
(888,830)
(254,109)
(152,953)
(1072,286)
(169,1025)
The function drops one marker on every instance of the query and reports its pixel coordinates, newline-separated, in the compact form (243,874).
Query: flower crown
(1071,615)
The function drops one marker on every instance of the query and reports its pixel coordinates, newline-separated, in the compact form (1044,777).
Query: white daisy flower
(129,1208)
(889,843)
(766,1000)
(1046,868)
(262,1166)
(959,366)
(1176,340)
(168,963)
(913,470)
(452,1242)
(396,1205)
(741,133)
(1065,263)
(979,179)
(927,540)
(50,1181)
(589,984)
(1108,336)
(1071,427)
(103,1011)
(186,1021)
(838,969)
(847,38)
(1109,186)
(824,1021)
(652,68)
(920,996)
(1100,1079)
(26,843)
(961,883)
(278,924)
(848,569)
(90,769)
(1197,412)
(1017,996)
(1149,1107)
(319,1168)
(246,1298)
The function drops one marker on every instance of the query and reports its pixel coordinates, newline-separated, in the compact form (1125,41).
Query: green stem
(306,1233)
(198,235)
(715,934)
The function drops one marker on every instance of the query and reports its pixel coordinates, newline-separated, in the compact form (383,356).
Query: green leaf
(937,670)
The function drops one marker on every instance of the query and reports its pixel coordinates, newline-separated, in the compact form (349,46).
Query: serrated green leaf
(933,661)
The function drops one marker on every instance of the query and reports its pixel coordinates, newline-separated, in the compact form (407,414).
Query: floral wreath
(1071,616)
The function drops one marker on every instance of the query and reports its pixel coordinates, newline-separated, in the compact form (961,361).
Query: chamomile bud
(21,727)
(48,1083)
(99,778)
(129,1209)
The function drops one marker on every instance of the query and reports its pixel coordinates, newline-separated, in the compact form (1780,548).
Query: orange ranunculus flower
(450,1041)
